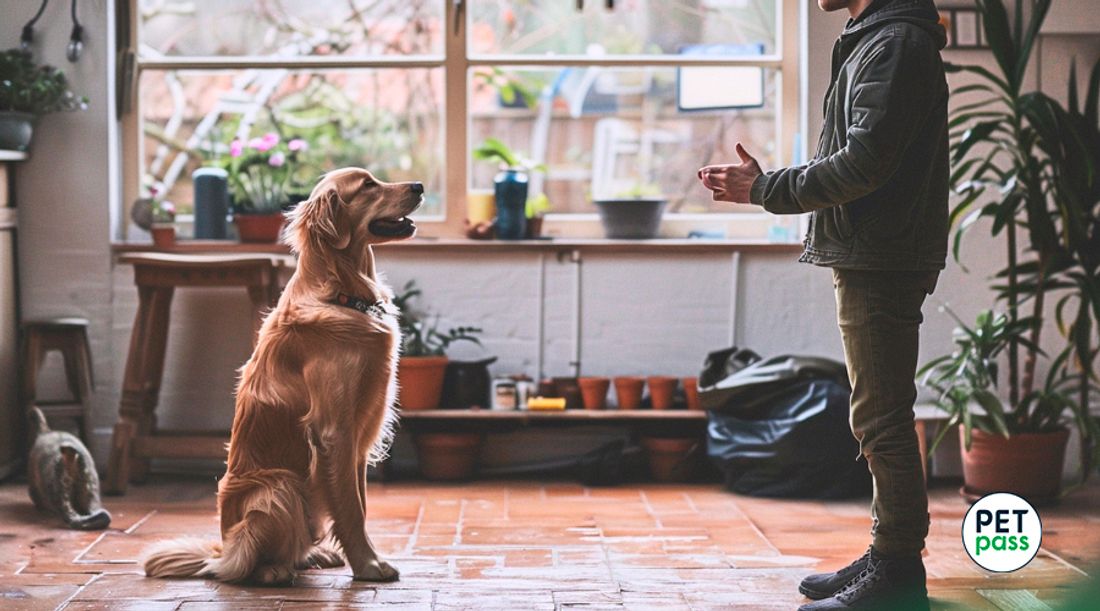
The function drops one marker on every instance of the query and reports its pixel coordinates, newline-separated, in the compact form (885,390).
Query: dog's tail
(181,558)
(264,517)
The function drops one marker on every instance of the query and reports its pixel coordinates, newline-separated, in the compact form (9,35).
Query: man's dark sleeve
(890,94)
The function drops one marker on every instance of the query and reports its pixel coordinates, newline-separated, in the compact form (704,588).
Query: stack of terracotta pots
(629,390)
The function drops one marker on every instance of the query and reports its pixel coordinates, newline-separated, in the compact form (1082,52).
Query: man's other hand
(731,183)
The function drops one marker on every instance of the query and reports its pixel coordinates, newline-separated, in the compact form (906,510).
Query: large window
(611,101)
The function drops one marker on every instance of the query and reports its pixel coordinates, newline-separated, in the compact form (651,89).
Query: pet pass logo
(1002,532)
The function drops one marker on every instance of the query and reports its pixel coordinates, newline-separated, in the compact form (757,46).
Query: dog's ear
(330,219)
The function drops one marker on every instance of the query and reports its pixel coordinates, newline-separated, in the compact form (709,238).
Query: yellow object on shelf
(546,403)
(480,206)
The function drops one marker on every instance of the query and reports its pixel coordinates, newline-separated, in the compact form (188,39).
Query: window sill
(439,244)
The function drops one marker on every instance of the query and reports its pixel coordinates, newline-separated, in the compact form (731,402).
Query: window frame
(456,64)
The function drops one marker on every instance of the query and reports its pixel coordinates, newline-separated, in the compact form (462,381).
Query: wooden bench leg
(140,386)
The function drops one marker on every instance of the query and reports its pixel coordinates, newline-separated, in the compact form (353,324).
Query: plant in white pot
(424,360)
(1019,447)
(27,91)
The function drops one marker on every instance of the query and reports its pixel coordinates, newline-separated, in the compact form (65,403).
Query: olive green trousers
(879,314)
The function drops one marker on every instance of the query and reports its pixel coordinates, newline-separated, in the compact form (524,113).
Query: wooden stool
(136,439)
(69,336)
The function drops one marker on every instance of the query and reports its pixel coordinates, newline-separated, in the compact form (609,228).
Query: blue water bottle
(510,186)
(211,202)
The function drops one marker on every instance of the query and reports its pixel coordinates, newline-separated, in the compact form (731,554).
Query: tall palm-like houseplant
(1016,162)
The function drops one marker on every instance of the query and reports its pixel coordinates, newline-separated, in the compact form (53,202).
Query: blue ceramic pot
(510,186)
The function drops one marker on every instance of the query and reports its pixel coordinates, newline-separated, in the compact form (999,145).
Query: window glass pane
(611,133)
(389,121)
(290,28)
(540,27)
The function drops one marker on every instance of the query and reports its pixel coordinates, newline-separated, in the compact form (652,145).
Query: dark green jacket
(878,184)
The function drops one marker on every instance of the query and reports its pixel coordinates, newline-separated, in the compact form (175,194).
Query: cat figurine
(62,476)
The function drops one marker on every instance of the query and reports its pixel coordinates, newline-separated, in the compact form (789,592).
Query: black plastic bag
(778,427)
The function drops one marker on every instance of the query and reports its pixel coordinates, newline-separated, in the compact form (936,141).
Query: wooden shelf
(571,415)
(429,244)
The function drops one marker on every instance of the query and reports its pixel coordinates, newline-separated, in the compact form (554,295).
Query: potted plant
(423,363)
(260,172)
(28,91)
(510,187)
(1017,448)
(164,219)
(634,214)
(1039,161)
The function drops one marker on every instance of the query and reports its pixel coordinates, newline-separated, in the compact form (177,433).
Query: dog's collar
(371,308)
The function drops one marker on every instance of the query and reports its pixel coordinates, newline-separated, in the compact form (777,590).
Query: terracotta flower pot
(671,459)
(628,390)
(420,381)
(594,392)
(691,393)
(164,236)
(259,227)
(1028,464)
(447,456)
(662,391)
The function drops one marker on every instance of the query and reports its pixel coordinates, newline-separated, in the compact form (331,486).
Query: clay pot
(534,227)
(259,227)
(1028,464)
(628,390)
(447,456)
(691,393)
(671,459)
(420,381)
(594,392)
(662,391)
(568,389)
(164,236)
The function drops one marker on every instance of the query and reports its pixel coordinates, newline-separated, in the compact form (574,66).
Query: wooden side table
(136,439)
(69,336)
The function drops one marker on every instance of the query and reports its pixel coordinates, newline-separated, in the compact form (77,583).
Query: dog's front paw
(377,570)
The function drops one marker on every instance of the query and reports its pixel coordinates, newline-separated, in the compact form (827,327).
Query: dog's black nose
(417,187)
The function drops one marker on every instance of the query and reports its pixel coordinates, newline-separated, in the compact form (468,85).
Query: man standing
(877,189)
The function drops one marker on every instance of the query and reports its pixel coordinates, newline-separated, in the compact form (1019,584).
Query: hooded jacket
(878,185)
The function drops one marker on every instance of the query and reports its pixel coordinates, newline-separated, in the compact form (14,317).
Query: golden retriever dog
(314,402)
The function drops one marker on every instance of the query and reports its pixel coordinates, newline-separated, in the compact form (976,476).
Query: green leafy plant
(966,383)
(420,334)
(493,150)
(260,172)
(32,88)
(1039,163)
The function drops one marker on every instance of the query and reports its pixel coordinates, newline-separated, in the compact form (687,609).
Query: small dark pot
(510,188)
(466,384)
(16,130)
(259,227)
(631,219)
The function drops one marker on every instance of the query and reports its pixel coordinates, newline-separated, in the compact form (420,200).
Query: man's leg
(879,314)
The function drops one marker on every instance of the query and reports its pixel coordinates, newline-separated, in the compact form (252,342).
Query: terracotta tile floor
(520,545)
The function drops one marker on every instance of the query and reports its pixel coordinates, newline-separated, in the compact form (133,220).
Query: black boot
(824,585)
(894,583)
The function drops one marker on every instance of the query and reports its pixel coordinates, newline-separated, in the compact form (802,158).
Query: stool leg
(140,386)
(33,357)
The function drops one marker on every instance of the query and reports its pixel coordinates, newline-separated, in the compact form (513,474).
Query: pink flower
(236,147)
(277,160)
(297,144)
(271,138)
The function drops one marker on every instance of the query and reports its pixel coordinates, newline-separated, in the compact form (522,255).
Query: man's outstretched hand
(731,183)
